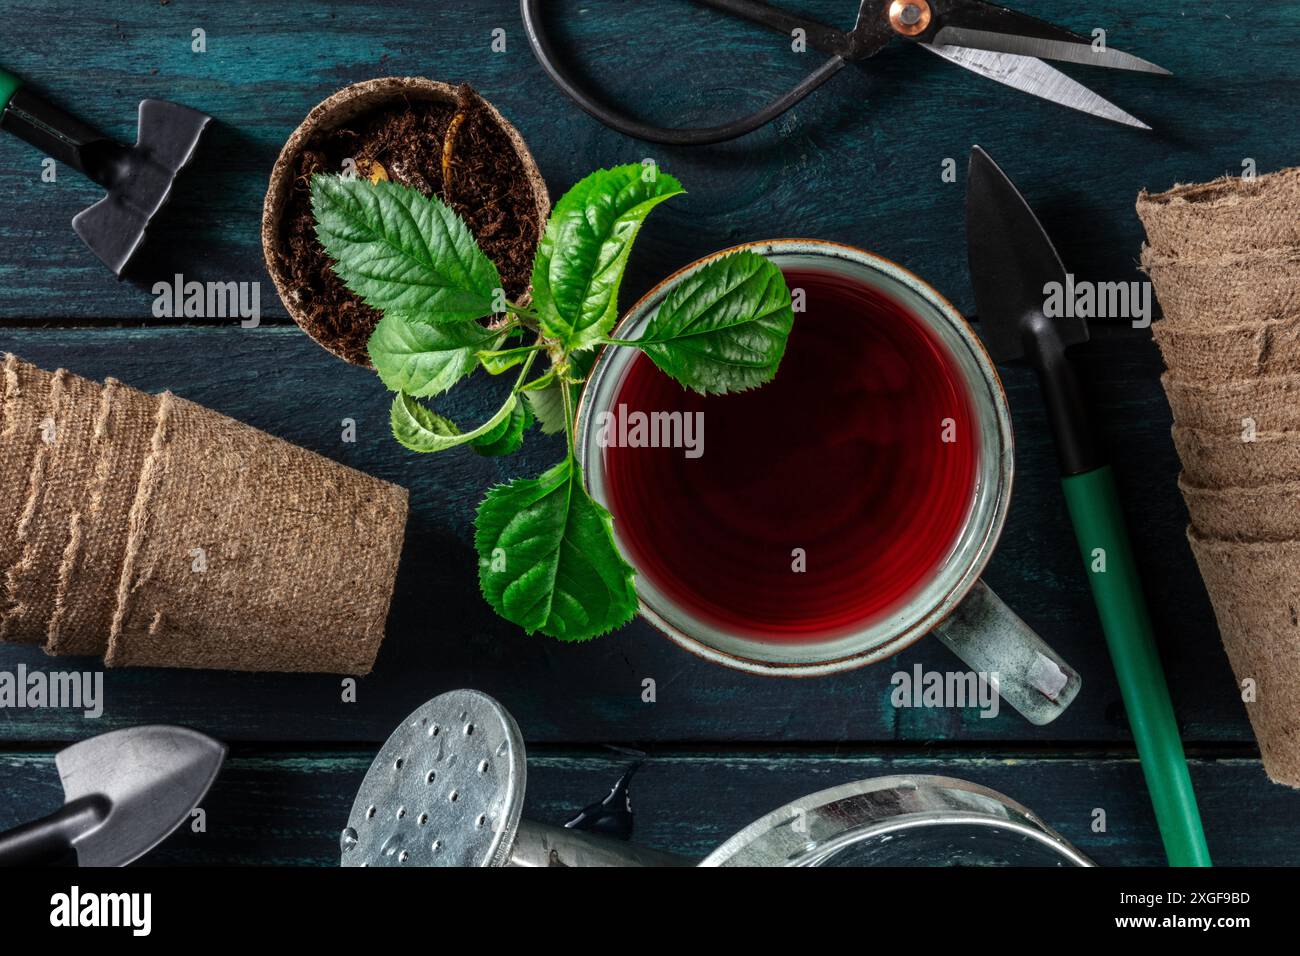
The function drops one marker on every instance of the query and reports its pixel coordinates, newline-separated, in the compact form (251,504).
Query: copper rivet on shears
(909,17)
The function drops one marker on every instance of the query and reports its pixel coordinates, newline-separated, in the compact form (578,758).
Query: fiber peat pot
(443,140)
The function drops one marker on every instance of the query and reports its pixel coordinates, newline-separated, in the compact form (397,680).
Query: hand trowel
(124,793)
(138,178)
(1012,266)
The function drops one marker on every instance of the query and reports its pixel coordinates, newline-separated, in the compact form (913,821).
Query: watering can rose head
(547,557)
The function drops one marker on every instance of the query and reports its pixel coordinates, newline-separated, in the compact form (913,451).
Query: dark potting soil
(488,189)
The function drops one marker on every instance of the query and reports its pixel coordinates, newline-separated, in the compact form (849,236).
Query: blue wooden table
(859,162)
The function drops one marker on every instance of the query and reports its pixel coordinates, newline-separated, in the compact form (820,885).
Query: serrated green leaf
(547,558)
(497,430)
(724,328)
(506,438)
(580,365)
(583,252)
(422,359)
(502,360)
(541,382)
(401,251)
(548,405)
(420,429)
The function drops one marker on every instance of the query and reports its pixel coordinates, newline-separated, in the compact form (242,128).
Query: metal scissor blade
(1030,75)
(1065,50)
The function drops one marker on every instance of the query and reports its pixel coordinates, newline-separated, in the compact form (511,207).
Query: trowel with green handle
(138,178)
(1013,265)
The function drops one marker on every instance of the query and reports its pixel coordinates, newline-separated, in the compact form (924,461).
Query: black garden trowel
(138,178)
(124,793)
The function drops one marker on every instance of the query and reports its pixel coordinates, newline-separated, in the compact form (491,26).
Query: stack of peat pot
(1224,258)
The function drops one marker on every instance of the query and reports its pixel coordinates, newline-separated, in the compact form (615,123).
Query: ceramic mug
(952,602)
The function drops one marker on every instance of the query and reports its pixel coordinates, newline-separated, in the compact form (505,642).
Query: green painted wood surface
(277,808)
(860,162)
(441,635)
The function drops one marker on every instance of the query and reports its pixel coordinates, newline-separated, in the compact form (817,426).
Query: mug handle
(992,639)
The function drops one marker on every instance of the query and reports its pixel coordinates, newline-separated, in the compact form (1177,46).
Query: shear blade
(1064,50)
(1031,75)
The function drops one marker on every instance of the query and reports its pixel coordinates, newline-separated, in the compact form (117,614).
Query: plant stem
(522,312)
(535,347)
(528,364)
(566,394)
(448,143)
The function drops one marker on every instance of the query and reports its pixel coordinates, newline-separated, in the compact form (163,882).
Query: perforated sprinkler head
(447,789)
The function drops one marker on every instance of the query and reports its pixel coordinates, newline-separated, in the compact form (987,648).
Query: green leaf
(506,438)
(418,428)
(547,400)
(402,251)
(542,381)
(498,361)
(580,365)
(547,558)
(582,254)
(548,405)
(724,328)
(421,359)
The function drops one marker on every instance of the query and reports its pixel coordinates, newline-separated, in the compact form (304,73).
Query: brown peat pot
(403,129)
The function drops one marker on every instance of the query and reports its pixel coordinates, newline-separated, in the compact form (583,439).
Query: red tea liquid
(842,456)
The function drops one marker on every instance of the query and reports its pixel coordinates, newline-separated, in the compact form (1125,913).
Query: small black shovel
(138,178)
(125,791)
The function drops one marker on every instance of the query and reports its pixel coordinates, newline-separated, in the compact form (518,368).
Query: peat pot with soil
(445,141)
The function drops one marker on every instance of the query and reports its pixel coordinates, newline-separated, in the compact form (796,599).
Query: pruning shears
(994,42)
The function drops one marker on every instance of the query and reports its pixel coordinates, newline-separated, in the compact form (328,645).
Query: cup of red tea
(837,514)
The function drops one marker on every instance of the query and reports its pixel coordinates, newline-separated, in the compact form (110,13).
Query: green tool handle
(9,85)
(1100,529)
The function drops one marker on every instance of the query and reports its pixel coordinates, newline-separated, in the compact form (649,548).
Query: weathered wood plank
(859,162)
(288,807)
(442,635)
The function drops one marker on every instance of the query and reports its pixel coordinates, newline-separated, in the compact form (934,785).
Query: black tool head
(1012,265)
(1016,273)
(139,181)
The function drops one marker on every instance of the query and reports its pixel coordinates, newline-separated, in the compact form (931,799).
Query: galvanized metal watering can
(447,789)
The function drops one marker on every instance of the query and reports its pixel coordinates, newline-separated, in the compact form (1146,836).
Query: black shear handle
(667,136)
